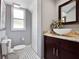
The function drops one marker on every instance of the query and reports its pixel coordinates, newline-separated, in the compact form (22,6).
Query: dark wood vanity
(55,48)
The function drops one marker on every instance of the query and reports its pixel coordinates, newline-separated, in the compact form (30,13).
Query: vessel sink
(62,31)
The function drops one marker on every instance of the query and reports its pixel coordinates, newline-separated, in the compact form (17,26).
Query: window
(18,19)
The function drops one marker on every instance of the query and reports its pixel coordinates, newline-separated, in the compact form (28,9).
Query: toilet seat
(19,47)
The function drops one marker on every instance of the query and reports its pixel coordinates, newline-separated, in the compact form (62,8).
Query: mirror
(67,12)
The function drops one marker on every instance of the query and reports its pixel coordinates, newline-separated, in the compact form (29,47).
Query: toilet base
(19,51)
(13,56)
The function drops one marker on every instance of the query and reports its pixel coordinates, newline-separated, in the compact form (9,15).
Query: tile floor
(27,54)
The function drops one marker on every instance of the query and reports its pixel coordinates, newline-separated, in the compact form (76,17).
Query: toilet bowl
(6,47)
(19,49)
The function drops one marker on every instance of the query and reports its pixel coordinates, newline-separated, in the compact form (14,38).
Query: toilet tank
(6,46)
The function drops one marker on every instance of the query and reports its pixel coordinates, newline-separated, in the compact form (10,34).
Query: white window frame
(12,20)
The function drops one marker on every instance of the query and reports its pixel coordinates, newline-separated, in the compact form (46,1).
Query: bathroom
(39,14)
(20,33)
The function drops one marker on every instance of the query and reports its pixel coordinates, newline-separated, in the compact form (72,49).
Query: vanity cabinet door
(55,48)
(70,46)
(69,49)
(50,48)
(64,54)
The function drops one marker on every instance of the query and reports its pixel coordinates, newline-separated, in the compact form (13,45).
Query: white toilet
(19,49)
(6,47)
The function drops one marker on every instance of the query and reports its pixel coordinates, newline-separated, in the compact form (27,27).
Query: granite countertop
(76,39)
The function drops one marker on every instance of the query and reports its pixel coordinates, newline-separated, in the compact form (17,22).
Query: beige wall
(49,13)
(76,26)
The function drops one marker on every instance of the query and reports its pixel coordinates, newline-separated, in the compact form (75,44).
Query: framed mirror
(67,12)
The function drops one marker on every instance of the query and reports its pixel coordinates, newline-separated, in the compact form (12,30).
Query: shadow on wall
(72,26)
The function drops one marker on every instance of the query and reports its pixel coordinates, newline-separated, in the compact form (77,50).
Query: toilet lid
(18,47)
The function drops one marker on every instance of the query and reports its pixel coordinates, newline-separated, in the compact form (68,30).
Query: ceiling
(22,3)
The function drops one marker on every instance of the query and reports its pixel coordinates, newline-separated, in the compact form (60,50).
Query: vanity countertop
(76,39)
